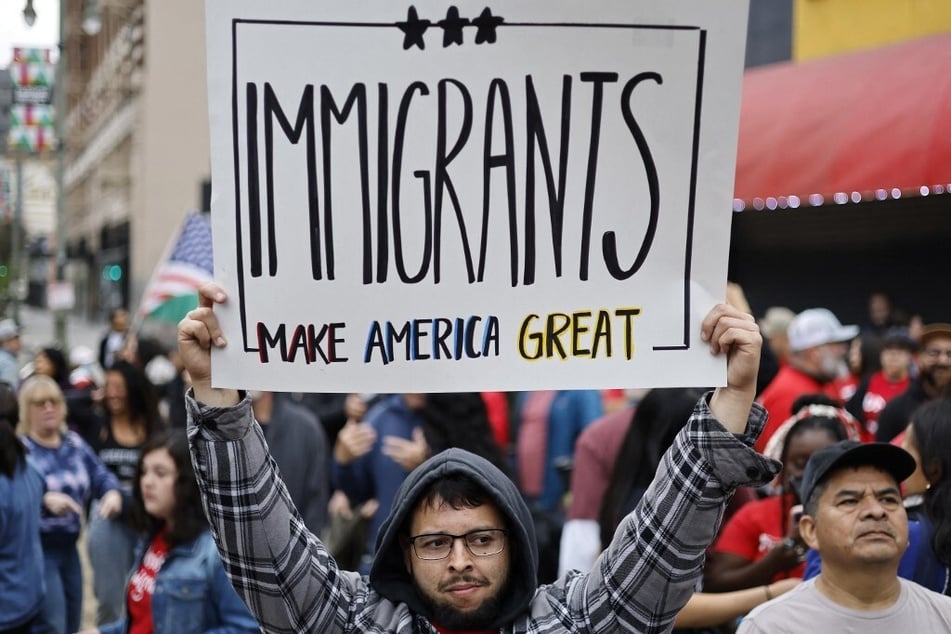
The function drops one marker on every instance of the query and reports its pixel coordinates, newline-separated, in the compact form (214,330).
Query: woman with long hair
(73,474)
(177,583)
(130,404)
(928,492)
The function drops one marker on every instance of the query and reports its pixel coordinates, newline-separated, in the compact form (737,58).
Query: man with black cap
(855,518)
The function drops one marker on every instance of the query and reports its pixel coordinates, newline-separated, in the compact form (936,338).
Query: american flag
(173,289)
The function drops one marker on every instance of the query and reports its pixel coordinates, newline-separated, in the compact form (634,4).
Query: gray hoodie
(389,576)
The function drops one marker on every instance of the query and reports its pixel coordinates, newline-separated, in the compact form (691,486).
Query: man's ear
(807,530)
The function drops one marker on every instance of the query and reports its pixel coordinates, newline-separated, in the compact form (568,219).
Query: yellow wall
(828,27)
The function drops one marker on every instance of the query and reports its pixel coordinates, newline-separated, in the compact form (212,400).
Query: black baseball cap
(852,453)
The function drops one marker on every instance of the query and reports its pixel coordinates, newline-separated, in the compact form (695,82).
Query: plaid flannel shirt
(291,583)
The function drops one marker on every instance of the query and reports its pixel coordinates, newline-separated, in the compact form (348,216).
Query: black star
(413,30)
(487,24)
(452,27)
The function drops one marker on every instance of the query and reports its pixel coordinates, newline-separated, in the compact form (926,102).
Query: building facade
(137,145)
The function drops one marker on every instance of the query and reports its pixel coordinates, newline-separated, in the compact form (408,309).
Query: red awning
(861,122)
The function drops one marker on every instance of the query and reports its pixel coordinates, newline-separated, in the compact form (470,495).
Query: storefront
(843,181)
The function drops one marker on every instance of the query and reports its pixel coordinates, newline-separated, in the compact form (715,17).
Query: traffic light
(112,272)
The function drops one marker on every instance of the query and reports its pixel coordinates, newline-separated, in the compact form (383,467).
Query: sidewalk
(38,330)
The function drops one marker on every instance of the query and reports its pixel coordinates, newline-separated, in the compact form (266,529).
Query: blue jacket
(192,594)
(22,587)
(375,475)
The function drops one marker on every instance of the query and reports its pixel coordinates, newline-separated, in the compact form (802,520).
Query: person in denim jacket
(178,585)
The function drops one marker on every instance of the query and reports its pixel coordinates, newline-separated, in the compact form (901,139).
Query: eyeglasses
(49,400)
(481,543)
(935,353)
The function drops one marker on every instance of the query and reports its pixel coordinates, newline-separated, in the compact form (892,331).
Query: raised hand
(353,441)
(197,333)
(409,454)
(734,333)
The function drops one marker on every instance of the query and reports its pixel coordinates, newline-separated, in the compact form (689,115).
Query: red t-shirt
(756,529)
(880,391)
(142,586)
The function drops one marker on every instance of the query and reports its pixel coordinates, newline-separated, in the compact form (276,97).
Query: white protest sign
(442,197)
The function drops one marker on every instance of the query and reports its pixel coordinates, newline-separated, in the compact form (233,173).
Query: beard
(832,366)
(448,617)
(937,378)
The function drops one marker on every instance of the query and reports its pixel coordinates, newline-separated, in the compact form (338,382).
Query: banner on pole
(31,117)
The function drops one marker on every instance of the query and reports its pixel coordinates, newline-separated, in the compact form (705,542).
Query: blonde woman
(73,474)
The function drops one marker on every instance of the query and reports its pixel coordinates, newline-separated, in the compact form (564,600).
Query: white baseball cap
(818,326)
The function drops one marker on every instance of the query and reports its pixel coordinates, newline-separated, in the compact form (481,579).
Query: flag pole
(138,317)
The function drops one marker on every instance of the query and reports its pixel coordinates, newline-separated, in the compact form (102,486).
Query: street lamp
(29,13)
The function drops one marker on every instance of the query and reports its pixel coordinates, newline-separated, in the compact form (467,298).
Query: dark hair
(460,420)
(9,407)
(870,355)
(188,518)
(60,366)
(457,490)
(142,396)
(656,421)
(932,432)
(147,349)
(12,451)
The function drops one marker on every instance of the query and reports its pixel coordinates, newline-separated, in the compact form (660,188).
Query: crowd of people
(760,505)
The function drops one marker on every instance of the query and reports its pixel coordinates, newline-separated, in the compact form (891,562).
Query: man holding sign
(457,551)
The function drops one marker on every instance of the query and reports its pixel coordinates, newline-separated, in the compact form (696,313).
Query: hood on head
(388,574)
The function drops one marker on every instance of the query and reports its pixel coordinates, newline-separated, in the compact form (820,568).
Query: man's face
(934,362)
(463,589)
(120,320)
(859,520)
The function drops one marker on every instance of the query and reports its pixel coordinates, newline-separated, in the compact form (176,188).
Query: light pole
(59,121)
(59,117)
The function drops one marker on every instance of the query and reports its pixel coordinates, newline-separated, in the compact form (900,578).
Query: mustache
(879,528)
(462,580)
